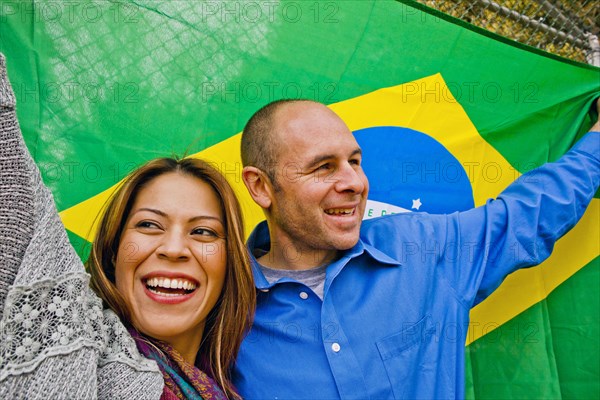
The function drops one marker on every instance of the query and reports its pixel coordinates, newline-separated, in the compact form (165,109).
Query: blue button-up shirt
(395,311)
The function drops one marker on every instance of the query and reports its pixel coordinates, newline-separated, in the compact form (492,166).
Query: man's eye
(324,167)
(355,162)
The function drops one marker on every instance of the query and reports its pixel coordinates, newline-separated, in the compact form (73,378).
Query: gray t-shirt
(313,278)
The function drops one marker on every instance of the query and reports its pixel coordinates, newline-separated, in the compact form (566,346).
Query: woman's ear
(259,185)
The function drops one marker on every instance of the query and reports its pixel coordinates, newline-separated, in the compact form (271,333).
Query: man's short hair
(259,146)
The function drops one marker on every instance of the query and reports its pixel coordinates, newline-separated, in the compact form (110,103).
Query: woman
(169,259)
(171,224)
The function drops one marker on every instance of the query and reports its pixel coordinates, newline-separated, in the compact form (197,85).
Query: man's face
(320,190)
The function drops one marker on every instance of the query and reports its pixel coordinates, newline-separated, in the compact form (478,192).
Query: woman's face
(171,261)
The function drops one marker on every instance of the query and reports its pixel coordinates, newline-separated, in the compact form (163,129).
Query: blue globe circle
(410,169)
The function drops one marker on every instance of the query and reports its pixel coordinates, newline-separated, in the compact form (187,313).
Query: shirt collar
(379,255)
(260,239)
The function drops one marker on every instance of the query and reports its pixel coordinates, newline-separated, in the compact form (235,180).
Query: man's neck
(293,258)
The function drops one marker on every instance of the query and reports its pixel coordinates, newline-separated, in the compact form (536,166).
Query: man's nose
(351,178)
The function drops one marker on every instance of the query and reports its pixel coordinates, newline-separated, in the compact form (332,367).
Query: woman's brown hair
(229,320)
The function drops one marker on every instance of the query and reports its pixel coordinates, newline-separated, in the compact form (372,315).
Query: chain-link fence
(564,27)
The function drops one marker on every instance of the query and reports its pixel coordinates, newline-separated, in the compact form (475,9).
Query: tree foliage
(558,26)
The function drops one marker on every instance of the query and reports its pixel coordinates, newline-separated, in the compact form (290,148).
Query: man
(344,309)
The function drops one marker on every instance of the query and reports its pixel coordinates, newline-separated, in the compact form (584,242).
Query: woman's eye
(204,232)
(147,225)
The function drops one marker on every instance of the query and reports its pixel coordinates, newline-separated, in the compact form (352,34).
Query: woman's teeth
(170,287)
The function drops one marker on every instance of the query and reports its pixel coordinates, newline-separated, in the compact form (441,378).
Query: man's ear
(259,186)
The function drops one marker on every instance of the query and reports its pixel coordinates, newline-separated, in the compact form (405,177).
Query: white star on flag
(416,204)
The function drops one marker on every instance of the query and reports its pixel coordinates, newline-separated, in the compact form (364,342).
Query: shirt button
(335,347)
(303,295)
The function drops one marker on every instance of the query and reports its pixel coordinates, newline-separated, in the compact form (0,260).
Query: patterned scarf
(182,380)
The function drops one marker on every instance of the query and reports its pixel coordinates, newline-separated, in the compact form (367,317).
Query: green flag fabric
(103,86)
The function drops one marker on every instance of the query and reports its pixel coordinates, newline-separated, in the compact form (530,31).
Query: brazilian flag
(447,115)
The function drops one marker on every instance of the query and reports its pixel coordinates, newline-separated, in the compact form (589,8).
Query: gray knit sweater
(56,342)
